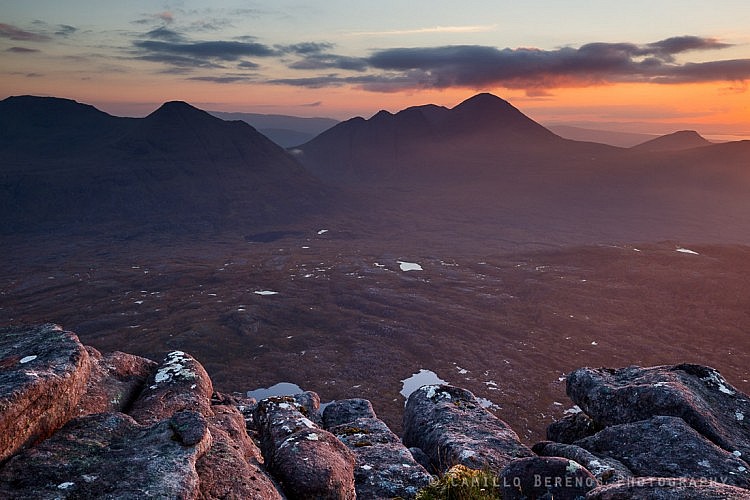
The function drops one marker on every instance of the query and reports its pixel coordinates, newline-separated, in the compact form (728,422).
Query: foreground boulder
(43,374)
(699,395)
(308,461)
(667,447)
(451,427)
(110,455)
(660,488)
(385,468)
(179,383)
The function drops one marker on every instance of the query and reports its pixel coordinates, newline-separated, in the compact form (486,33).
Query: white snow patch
(462,371)
(409,266)
(266,292)
(27,359)
(739,416)
(367,467)
(594,343)
(466,454)
(486,403)
(323,231)
(685,250)
(174,366)
(65,485)
(312,437)
(308,423)
(737,453)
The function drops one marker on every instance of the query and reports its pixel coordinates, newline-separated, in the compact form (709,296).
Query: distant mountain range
(284,130)
(65,162)
(482,162)
(611,137)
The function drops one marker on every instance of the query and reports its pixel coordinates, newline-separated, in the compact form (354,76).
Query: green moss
(462,483)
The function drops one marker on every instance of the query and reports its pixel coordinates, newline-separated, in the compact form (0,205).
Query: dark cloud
(247,65)
(22,50)
(306,48)
(222,79)
(15,33)
(223,50)
(165,34)
(65,30)
(594,63)
(330,61)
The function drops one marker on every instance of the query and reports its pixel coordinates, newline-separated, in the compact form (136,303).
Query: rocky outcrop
(109,455)
(308,462)
(545,477)
(75,423)
(699,395)
(115,381)
(451,427)
(37,365)
(384,467)
(660,488)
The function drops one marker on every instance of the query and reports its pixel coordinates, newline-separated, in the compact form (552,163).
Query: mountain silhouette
(65,163)
(684,139)
(483,133)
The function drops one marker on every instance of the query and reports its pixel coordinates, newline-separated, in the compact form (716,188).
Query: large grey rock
(43,374)
(179,383)
(384,468)
(605,469)
(571,428)
(667,447)
(111,456)
(232,467)
(116,380)
(451,427)
(347,410)
(545,477)
(697,394)
(308,461)
(661,488)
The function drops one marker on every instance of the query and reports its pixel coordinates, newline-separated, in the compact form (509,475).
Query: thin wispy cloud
(426,31)
(15,33)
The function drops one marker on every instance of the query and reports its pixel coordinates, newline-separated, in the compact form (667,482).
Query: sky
(652,66)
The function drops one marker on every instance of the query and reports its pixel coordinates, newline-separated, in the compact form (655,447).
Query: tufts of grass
(462,483)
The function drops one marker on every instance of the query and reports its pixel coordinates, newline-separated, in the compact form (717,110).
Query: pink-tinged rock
(667,488)
(232,468)
(308,461)
(43,373)
(545,477)
(179,383)
(116,380)
(110,455)
(451,427)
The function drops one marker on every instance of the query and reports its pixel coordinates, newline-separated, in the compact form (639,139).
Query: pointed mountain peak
(174,109)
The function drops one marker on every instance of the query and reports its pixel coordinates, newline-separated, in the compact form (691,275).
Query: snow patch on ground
(419,379)
(266,292)
(685,250)
(409,266)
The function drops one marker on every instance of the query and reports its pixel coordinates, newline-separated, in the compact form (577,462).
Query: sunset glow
(573,64)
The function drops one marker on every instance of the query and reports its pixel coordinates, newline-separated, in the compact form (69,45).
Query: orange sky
(594,65)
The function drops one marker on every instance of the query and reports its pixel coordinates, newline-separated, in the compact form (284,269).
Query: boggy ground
(507,322)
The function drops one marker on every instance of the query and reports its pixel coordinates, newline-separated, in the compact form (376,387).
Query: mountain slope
(284,130)
(683,139)
(71,165)
(482,135)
